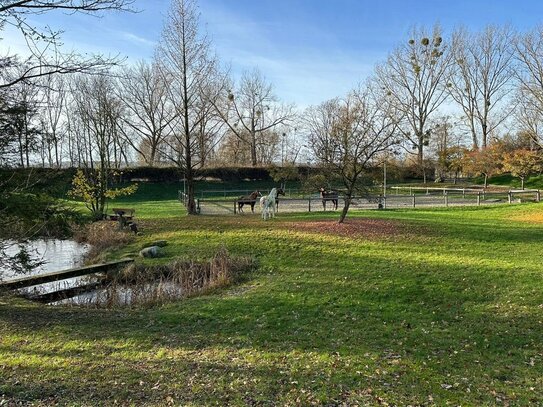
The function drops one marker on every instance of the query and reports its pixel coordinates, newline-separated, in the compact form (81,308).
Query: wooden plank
(67,293)
(61,275)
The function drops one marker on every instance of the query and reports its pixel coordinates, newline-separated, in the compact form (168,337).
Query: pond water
(56,255)
(60,255)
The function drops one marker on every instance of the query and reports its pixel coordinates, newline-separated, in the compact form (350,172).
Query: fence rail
(236,193)
(439,197)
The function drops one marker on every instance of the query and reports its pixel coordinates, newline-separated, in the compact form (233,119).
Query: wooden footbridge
(29,281)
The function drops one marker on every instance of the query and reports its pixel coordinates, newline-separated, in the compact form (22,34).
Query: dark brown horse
(331,196)
(248,199)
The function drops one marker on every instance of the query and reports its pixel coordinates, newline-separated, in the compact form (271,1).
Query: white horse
(268,203)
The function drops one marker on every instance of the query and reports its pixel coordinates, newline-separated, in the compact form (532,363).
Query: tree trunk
(420,153)
(191,203)
(475,142)
(189,174)
(522,183)
(253,150)
(348,199)
(486,180)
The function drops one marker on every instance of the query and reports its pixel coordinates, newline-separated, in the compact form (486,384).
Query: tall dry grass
(140,285)
(102,236)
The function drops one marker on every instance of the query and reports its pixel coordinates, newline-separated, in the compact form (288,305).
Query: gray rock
(152,251)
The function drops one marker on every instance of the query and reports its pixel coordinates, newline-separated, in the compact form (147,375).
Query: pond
(56,255)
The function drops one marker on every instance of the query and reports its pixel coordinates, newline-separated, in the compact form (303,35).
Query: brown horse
(248,199)
(331,196)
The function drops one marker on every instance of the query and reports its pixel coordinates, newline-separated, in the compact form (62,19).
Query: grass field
(420,307)
(533,182)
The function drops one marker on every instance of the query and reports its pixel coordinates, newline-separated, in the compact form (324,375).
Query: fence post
(478,198)
(463,192)
(384,202)
(538,196)
(484,194)
(446,198)
(197,206)
(427,191)
(235,207)
(309,203)
(509,197)
(413,196)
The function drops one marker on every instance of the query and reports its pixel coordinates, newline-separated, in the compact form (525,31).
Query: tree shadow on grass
(438,322)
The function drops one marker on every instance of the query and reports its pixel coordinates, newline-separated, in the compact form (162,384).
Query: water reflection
(56,255)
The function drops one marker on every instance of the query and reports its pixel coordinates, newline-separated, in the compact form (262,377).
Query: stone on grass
(152,251)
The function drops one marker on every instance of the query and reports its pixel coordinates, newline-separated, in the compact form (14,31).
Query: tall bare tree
(253,112)
(529,116)
(480,79)
(529,53)
(347,135)
(413,79)
(97,112)
(54,89)
(189,67)
(148,112)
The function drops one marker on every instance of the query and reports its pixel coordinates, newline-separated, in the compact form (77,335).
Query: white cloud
(137,39)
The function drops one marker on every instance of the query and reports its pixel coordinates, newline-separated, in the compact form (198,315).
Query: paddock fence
(396,199)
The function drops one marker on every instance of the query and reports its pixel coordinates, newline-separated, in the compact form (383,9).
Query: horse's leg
(324,204)
(253,207)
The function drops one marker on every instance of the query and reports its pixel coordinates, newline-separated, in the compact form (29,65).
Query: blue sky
(311,50)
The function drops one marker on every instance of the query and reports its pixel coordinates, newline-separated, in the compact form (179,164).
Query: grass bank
(420,307)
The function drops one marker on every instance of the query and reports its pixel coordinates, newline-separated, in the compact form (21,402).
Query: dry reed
(140,285)
(101,236)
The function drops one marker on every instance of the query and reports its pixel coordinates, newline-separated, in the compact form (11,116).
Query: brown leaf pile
(354,228)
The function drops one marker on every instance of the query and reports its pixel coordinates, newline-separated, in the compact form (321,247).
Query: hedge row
(56,181)
(49,178)
(172,174)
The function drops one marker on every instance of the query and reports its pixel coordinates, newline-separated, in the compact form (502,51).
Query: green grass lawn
(533,182)
(420,307)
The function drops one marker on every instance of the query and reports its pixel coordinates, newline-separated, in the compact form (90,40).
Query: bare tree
(54,90)
(413,80)
(44,45)
(188,67)
(97,114)
(529,116)
(347,135)
(253,112)
(529,53)
(211,129)
(480,79)
(447,146)
(148,112)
